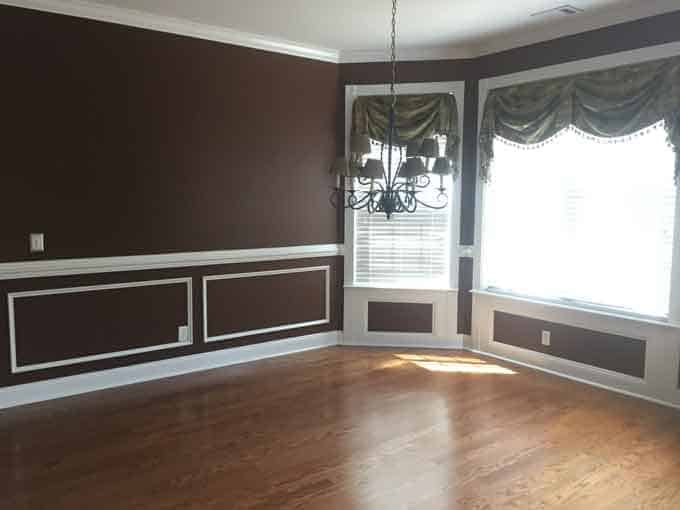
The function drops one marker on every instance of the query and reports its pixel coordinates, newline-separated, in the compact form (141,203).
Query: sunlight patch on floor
(454,364)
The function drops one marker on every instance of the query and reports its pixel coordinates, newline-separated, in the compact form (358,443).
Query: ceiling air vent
(565,10)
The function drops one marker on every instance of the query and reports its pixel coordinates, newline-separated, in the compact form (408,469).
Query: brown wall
(603,350)
(119,141)
(400,317)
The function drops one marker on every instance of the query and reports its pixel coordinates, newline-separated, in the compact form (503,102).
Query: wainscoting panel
(246,304)
(57,327)
(400,317)
(624,354)
(610,352)
(72,324)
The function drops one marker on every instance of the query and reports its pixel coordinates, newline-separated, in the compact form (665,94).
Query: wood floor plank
(344,428)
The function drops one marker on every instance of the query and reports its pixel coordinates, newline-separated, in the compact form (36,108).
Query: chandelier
(384,187)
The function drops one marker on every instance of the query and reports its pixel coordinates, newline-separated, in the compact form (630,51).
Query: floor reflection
(454,364)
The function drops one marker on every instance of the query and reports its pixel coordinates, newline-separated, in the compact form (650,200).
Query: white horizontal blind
(411,250)
(582,220)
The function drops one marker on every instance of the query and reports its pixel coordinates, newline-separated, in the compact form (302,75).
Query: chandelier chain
(386,193)
(393,56)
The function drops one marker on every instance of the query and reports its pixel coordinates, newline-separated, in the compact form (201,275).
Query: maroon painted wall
(400,317)
(120,141)
(611,352)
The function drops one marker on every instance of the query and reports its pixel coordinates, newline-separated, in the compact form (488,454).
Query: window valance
(612,103)
(418,116)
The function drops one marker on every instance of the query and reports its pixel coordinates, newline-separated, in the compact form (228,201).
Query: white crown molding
(577,24)
(65,267)
(518,38)
(139,19)
(407,54)
(84,383)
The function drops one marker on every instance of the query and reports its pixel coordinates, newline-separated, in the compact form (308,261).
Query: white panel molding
(156,22)
(326,319)
(67,267)
(444,326)
(170,344)
(85,383)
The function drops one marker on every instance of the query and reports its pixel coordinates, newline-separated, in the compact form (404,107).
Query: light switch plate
(37,243)
(183,334)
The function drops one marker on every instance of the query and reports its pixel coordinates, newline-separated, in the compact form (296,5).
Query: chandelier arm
(411,203)
(430,206)
(358,203)
(426,181)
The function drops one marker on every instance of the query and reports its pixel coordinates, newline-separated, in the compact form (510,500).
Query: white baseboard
(573,378)
(407,342)
(84,383)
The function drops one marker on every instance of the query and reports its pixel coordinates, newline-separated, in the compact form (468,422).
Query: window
(583,220)
(411,250)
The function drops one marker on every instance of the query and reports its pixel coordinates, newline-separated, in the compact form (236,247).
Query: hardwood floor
(344,428)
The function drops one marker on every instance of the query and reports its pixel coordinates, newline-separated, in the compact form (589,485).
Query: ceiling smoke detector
(567,10)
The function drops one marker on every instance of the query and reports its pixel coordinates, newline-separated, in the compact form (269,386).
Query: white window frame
(457,88)
(556,71)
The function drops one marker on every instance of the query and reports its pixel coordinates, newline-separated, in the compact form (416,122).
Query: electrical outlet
(37,243)
(545,338)
(183,334)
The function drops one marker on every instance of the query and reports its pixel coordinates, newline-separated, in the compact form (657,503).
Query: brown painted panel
(611,352)
(400,317)
(57,327)
(465,280)
(129,141)
(259,302)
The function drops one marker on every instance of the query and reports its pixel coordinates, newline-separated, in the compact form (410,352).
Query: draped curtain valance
(417,117)
(607,104)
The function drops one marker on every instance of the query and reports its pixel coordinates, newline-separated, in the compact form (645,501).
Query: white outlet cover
(183,334)
(37,243)
(545,338)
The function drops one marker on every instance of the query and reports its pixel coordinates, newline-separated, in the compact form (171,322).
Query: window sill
(406,289)
(582,308)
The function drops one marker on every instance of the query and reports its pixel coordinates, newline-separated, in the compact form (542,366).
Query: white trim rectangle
(284,327)
(13,296)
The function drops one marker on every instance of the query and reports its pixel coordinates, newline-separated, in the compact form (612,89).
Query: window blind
(410,250)
(582,220)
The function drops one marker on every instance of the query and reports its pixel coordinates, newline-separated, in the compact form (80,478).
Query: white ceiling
(358,29)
